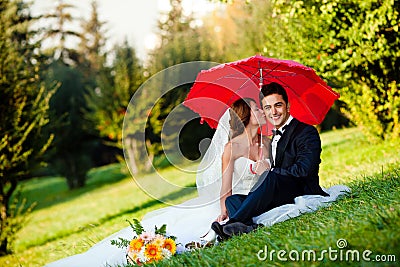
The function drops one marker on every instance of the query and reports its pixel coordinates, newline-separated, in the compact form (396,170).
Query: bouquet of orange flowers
(147,247)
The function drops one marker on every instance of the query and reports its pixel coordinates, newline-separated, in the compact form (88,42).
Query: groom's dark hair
(273,88)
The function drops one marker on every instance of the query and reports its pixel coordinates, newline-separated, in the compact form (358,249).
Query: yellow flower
(136,244)
(153,252)
(170,245)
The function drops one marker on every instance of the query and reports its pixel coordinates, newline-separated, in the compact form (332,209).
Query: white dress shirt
(276,138)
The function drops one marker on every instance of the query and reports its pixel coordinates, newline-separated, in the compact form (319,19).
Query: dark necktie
(278,132)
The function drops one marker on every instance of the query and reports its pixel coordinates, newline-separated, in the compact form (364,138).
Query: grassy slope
(367,219)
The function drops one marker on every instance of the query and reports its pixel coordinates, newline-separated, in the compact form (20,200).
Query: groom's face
(276,109)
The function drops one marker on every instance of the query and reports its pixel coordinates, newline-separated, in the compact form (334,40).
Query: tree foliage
(181,40)
(115,86)
(356,46)
(24,104)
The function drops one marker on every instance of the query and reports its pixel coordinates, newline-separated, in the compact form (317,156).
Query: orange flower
(170,245)
(153,252)
(136,244)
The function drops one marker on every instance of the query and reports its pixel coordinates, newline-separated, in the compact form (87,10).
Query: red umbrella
(215,89)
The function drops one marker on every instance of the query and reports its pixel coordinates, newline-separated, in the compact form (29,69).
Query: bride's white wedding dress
(192,219)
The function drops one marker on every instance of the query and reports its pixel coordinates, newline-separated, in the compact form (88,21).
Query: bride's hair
(240,113)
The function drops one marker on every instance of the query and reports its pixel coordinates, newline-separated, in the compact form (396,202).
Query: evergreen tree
(180,41)
(97,75)
(24,104)
(59,32)
(93,40)
(70,154)
(116,84)
(71,69)
(76,72)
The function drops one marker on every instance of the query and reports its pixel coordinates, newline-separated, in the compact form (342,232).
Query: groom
(295,157)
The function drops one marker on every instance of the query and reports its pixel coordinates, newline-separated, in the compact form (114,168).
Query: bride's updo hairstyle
(240,113)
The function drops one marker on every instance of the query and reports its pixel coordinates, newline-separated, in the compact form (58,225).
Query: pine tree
(70,154)
(24,104)
(115,85)
(60,33)
(74,71)
(181,41)
(92,45)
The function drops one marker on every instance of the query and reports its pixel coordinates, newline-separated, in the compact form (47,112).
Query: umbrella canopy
(215,89)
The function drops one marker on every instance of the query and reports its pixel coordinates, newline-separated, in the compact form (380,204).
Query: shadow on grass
(146,205)
(48,191)
(170,197)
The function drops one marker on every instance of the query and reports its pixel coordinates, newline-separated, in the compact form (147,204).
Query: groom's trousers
(274,191)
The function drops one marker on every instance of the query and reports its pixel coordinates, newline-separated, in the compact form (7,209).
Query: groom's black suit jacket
(298,155)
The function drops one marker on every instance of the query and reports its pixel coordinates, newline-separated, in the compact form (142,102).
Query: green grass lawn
(68,222)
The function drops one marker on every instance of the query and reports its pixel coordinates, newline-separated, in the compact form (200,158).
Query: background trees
(108,101)
(75,72)
(180,40)
(354,45)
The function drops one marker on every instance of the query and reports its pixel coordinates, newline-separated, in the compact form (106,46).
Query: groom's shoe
(238,228)
(219,230)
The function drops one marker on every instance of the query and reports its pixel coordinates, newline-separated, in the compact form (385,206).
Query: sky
(134,20)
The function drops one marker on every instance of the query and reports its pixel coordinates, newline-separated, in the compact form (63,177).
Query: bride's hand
(222,217)
(262,166)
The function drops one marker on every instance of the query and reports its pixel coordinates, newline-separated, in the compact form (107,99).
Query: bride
(226,169)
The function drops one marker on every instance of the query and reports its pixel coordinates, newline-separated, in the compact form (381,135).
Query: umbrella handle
(260,153)
(260,148)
